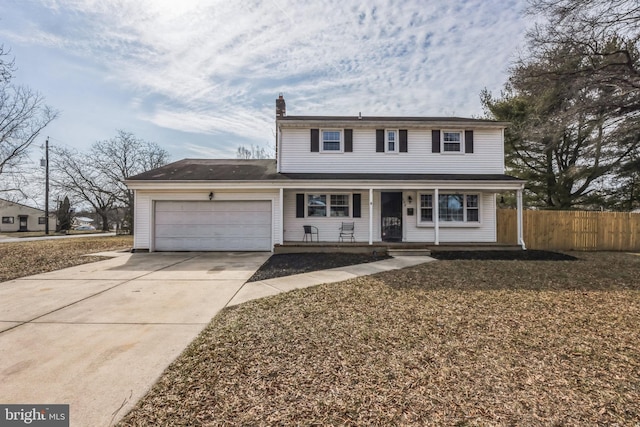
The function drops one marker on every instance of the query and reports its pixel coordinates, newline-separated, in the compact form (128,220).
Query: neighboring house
(429,180)
(81,221)
(19,217)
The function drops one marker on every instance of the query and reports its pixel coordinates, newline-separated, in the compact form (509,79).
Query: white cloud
(217,67)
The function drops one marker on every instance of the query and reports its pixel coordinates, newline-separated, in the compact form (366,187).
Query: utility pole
(46,189)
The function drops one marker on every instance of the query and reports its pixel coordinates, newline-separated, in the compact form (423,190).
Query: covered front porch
(415,214)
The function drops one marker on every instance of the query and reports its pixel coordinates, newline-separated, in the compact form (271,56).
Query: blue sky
(201,77)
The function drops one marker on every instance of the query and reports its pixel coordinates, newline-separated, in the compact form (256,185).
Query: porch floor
(383,247)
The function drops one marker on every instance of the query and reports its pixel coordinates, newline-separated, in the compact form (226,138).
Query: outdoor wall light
(410,199)
(211,196)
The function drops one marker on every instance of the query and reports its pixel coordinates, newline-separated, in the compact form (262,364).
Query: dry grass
(33,257)
(447,343)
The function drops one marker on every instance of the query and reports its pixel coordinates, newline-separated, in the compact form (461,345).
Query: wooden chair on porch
(309,232)
(346,230)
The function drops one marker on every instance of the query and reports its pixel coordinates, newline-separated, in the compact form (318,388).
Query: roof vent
(360,115)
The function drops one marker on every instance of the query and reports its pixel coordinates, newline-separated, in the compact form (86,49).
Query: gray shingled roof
(265,170)
(388,119)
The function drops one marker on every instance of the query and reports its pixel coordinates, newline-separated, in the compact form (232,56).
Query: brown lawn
(26,258)
(445,343)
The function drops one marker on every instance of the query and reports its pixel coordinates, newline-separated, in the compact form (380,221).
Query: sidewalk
(254,290)
(5,239)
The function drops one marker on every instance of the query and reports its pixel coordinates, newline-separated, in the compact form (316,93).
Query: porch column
(281,205)
(519,213)
(436,217)
(371,216)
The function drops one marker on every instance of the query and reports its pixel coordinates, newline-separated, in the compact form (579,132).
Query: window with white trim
(391,141)
(339,205)
(316,205)
(331,140)
(452,141)
(452,208)
(458,208)
(333,205)
(426,207)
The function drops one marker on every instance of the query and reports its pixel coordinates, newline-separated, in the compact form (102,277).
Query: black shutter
(435,141)
(357,200)
(403,141)
(379,140)
(315,140)
(468,141)
(348,140)
(299,205)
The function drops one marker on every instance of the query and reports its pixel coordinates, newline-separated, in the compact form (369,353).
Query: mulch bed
(465,342)
(281,265)
(529,255)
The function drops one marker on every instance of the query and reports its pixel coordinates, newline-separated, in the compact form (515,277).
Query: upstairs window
(331,140)
(451,142)
(391,141)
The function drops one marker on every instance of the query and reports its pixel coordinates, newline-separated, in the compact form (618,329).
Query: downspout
(520,221)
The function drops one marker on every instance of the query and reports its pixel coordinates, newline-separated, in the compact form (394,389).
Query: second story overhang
(202,174)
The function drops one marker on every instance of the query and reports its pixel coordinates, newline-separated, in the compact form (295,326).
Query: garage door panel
(211,226)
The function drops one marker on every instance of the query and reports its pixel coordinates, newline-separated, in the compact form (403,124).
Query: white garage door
(213,226)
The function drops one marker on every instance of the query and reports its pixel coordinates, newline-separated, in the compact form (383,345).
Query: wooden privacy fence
(572,230)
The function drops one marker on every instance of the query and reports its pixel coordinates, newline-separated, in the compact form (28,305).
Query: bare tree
(23,115)
(7,66)
(97,177)
(122,157)
(75,174)
(253,152)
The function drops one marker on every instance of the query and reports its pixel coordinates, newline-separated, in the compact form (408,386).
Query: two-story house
(429,180)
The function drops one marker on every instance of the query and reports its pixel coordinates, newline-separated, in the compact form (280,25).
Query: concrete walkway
(6,239)
(98,336)
(264,288)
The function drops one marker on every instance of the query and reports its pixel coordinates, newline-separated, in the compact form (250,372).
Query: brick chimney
(281,108)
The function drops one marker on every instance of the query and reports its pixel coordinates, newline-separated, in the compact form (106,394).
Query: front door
(391,217)
(23,223)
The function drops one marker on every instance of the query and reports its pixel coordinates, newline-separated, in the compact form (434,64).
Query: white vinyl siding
(487,158)
(453,232)
(142,221)
(329,226)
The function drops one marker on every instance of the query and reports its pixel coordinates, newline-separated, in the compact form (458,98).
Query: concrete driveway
(97,336)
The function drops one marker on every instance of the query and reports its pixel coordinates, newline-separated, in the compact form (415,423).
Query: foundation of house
(400,248)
